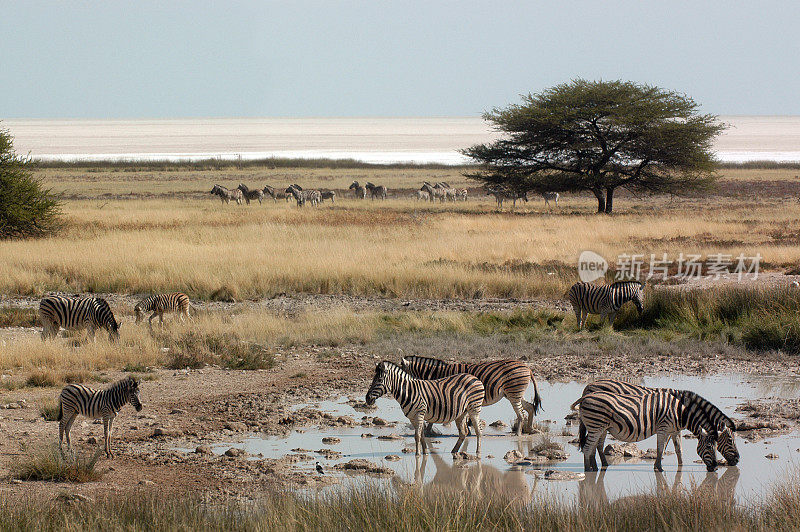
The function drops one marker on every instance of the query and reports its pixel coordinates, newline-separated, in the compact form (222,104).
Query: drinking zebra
(359,191)
(376,191)
(159,304)
(328,194)
(501,195)
(606,300)
(453,398)
(78,399)
(226,195)
(251,194)
(500,378)
(724,425)
(550,196)
(636,417)
(89,313)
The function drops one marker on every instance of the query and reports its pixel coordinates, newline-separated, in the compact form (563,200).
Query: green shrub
(49,463)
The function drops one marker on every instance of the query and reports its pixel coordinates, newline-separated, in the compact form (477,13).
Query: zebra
(226,195)
(501,195)
(635,417)
(433,192)
(299,194)
(462,194)
(500,378)
(378,191)
(158,304)
(452,398)
(270,191)
(328,194)
(606,300)
(79,399)
(89,313)
(550,196)
(251,194)
(448,192)
(359,191)
(725,425)
(423,195)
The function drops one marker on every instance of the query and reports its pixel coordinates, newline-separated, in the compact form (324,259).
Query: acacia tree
(26,208)
(598,136)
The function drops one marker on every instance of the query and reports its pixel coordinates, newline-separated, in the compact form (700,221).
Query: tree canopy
(26,208)
(598,136)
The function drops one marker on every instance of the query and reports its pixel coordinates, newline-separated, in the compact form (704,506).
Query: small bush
(193,350)
(18,317)
(48,463)
(45,378)
(49,409)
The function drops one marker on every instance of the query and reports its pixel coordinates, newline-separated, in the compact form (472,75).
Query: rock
(392,436)
(301,450)
(364,466)
(146,483)
(330,454)
(236,426)
(203,449)
(498,424)
(16,481)
(523,463)
(391,458)
(512,456)
(72,498)
(331,440)
(346,420)
(623,449)
(377,421)
(554,454)
(408,450)
(160,431)
(466,456)
(91,440)
(555,474)
(771,456)
(235,452)
(650,454)
(537,459)
(177,411)
(366,435)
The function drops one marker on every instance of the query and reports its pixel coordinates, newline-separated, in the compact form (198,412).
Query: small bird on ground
(319,469)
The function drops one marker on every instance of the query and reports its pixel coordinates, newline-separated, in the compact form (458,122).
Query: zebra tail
(581,436)
(574,406)
(537,399)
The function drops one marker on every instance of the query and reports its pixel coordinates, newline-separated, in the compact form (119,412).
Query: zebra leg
(91,331)
(601,447)
(461,423)
(107,436)
(150,320)
(661,443)
(517,405)
(611,316)
(68,427)
(529,409)
(476,422)
(577,310)
(676,442)
(161,319)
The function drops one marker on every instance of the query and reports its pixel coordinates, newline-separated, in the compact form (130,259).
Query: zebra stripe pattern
(89,313)
(359,191)
(501,195)
(550,196)
(606,300)
(500,378)
(251,194)
(453,398)
(328,194)
(77,399)
(376,191)
(159,304)
(637,417)
(725,426)
(226,195)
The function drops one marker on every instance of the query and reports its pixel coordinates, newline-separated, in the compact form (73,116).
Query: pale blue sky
(163,59)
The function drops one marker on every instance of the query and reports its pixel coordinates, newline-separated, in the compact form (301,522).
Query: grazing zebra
(501,195)
(359,191)
(159,304)
(606,300)
(226,195)
(500,378)
(251,194)
(78,399)
(550,196)
(423,195)
(452,398)
(724,425)
(462,194)
(636,417)
(328,194)
(89,313)
(270,191)
(378,191)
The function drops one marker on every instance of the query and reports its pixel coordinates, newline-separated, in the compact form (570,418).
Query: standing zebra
(378,191)
(452,398)
(328,194)
(226,195)
(251,194)
(270,191)
(89,313)
(724,425)
(433,192)
(359,191)
(158,304)
(606,300)
(423,195)
(500,378)
(550,196)
(447,192)
(462,194)
(633,418)
(501,195)
(78,399)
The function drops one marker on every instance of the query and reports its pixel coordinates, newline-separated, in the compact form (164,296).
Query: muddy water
(749,481)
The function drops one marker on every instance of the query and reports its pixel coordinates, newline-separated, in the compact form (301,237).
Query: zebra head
(106,318)
(727,445)
(243,188)
(378,386)
(132,390)
(353,185)
(706,449)
(138,311)
(215,190)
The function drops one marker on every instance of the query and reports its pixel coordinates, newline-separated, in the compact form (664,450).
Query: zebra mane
(123,384)
(708,409)
(628,281)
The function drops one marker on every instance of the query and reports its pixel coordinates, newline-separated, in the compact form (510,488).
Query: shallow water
(749,481)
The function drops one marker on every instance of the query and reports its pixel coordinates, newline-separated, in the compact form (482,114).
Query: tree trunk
(601,200)
(609,199)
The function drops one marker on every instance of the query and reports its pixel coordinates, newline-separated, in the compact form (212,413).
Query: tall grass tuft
(48,463)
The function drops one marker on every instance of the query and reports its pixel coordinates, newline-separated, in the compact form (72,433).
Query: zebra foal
(160,304)
(77,399)
(634,418)
(606,300)
(725,426)
(72,313)
(453,398)
(500,378)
